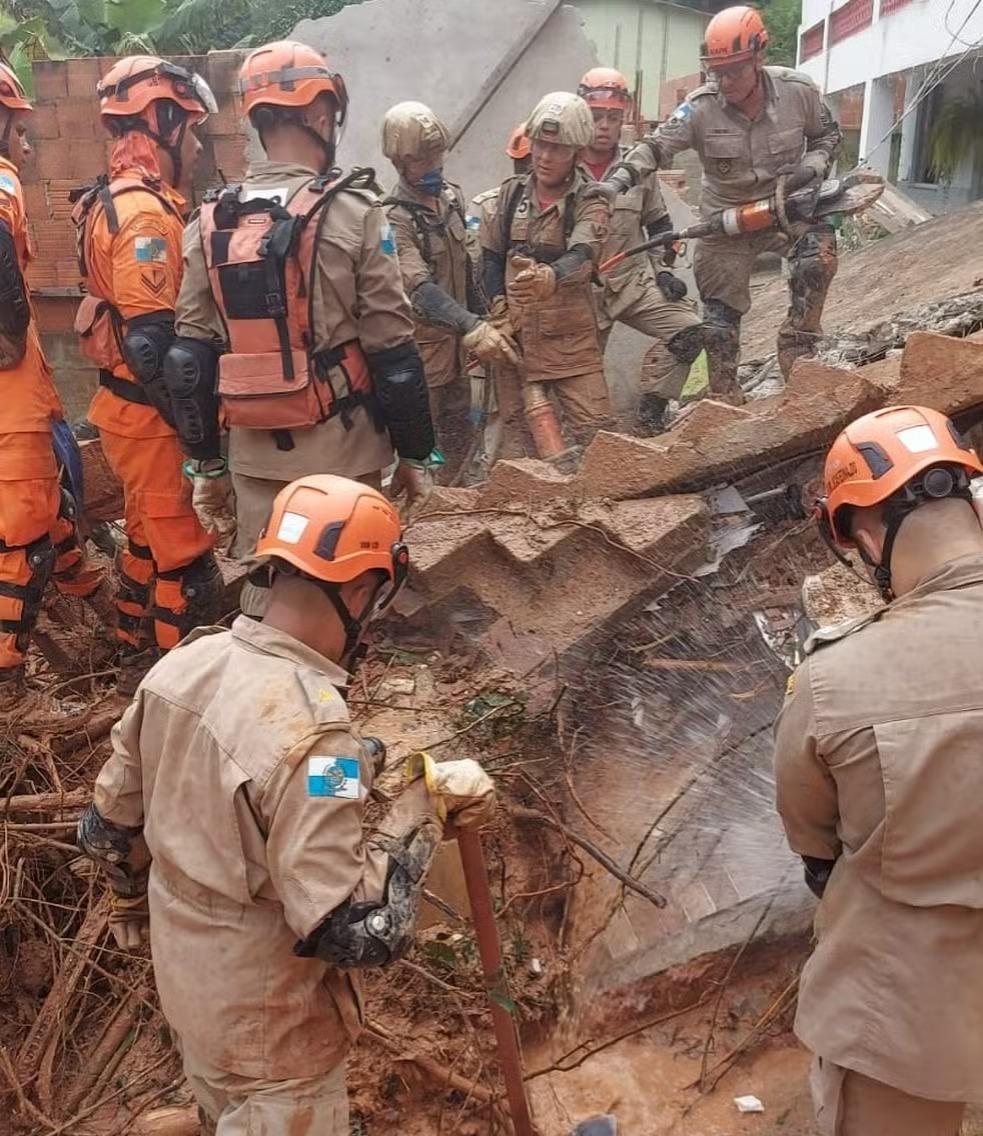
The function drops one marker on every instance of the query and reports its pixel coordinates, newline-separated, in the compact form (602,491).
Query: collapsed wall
(659,591)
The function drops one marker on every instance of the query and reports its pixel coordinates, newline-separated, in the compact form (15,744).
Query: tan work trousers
(850,1104)
(583,400)
(254,501)
(230,1105)
(662,320)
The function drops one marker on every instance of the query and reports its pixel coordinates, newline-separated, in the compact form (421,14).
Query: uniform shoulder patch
(338,777)
(8,185)
(488,195)
(150,250)
(837,631)
(387,239)
(787,75)
(677,120)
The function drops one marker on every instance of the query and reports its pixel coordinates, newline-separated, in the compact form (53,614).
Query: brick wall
(73,148)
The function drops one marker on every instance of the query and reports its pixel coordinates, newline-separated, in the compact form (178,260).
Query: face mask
(432,182)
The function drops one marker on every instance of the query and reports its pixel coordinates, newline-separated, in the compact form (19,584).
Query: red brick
(83,75)
(44,123)
(50,80)
(56,314)
(79,119)
(230,155)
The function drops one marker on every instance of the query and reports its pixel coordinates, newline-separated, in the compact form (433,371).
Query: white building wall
(918,33)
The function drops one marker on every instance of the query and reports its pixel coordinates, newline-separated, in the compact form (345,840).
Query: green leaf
(92,12)
(502,1000)
(137,18)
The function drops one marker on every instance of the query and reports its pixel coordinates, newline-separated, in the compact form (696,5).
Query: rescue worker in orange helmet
(318,373)
(880,788)
(229,820)
(38,535)
(429,223)
(750,125)
(129,241)
(642,292)
(538,253)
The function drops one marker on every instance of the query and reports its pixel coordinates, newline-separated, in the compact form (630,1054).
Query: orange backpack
(261,255)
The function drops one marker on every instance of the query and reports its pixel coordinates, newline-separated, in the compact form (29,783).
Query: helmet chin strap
(5,136)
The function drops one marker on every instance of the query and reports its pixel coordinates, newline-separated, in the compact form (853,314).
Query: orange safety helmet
(733,36)
(12,94)
(132,85)
(519,146)
(605,88)
(333,529)
(885,452)
(291,75)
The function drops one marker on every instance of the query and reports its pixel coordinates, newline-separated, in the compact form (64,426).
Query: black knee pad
(687,344)
(717,314)
(40,556)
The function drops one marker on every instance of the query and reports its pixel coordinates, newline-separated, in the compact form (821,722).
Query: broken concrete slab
(818,402)
(542,580)
(481,67)
(941,372)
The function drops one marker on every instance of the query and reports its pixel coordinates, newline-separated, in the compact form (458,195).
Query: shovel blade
(597,1126)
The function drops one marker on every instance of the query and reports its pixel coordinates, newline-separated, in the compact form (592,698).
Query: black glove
(671,286)
(817,873)
(797,176)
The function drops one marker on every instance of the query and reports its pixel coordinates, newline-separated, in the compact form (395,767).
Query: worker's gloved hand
(212,498)
(671,286)
(490,345)
(534,283)
(500,319)
(461,790)
(413,481)
(797,175)
(129,920)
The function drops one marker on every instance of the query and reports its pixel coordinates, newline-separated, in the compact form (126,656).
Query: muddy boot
(133,668)
(650,418)
(103,603)
(722,337)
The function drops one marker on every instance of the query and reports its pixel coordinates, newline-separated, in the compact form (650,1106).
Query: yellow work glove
(489,345)
(413,481)
(212,498)
(129,921)
(534,283)
(461,791)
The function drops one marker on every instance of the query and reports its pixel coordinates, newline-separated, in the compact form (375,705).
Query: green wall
(660,40)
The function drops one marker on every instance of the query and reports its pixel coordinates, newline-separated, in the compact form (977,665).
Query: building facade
(916,68)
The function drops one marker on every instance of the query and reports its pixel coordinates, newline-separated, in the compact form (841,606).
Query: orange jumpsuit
(137,269)
(38,537)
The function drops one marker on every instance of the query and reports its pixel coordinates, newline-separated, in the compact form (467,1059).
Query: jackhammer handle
(653,242)
(496,982)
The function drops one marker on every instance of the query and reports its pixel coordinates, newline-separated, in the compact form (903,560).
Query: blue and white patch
(388,241)
(334,777)
(150,250)
(8,185)
(678,117)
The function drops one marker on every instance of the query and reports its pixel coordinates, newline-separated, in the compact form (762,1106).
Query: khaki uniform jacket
(558,336)
(433,246)
(634,279)
(359,295)
(741,158)
(226,756)
(879,764)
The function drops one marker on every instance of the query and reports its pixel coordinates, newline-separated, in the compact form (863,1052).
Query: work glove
(671,286)
(500,319)
(534,283)
(490,345)
(797,175)
(461,791)
(412,480)
(129,920)
(212,498)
